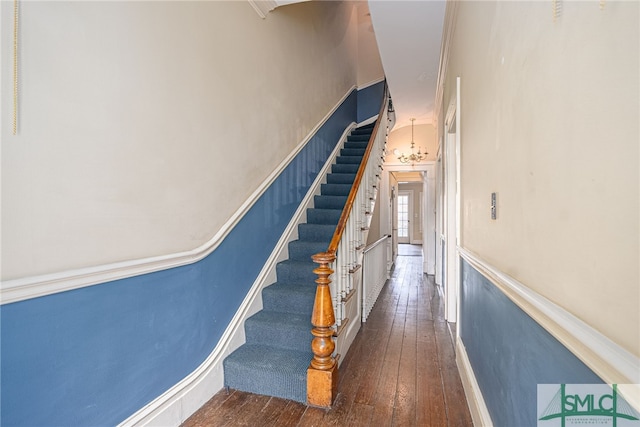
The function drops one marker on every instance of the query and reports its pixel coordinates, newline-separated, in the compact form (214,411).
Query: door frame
(387,224)
(452,198)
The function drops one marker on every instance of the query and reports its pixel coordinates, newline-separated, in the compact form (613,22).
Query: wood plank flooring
(400,370)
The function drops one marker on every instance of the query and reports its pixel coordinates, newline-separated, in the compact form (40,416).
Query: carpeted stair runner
(277,352)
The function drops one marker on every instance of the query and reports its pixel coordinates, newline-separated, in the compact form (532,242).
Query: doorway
(404,207)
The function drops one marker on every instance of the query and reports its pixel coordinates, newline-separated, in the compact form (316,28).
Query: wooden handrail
(322,374)
(346,211)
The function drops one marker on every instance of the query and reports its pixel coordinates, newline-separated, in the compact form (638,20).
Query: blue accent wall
(369,101)
(96,355)
(510,353)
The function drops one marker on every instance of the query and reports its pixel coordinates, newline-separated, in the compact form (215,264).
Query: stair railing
(338,263)
(376,268)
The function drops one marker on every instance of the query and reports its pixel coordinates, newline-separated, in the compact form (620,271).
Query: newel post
(322,374)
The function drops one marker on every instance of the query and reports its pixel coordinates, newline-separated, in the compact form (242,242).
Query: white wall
(369,63)
(550,122)
(144,125)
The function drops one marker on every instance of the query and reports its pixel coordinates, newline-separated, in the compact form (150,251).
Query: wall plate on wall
(493,206)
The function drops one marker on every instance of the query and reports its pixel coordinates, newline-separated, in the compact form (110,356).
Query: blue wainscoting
(369,101)
(510,353)
(96,355)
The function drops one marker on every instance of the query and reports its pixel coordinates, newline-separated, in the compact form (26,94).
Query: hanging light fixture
(413,157)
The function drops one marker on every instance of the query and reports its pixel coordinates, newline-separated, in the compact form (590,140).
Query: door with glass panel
(404,202)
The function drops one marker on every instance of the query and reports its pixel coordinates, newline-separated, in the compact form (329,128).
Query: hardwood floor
(400,370)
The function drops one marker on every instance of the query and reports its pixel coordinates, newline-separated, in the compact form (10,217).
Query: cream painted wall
(145,125)
(369,63)
(549,120)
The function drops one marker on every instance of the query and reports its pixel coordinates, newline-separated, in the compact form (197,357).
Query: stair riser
(268,371)
(329,202)
(316,232)
(299,302)
(244,378)
(355,145)
(344,168)
(323,216)
(335,189)
(365,138)
(353,152)
(288,273)
(349,160)
(341,178)
(301,250)
(289,338)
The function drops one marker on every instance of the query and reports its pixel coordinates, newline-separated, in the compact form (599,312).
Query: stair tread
(297,262)
(335,189)
(283,287)
(283,319)
(268,357)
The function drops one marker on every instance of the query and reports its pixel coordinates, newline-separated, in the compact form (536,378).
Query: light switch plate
(494,214)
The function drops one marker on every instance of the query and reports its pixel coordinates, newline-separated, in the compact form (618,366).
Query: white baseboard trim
(179,402)
(611,362)
(38,286)
(477,407)
(368,121)
(371,83)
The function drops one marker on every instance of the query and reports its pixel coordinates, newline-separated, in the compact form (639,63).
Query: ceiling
(409,35)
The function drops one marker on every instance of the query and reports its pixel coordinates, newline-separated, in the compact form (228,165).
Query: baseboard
(368,121)
(371,83)
(477,407)
(182,400)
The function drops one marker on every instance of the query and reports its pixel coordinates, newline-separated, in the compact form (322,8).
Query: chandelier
(413,157)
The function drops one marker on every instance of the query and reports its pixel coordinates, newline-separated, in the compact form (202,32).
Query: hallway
(400,370)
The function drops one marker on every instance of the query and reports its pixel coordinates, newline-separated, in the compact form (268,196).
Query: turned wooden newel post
(322,374)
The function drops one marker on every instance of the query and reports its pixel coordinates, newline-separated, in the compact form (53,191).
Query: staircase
(277,352)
